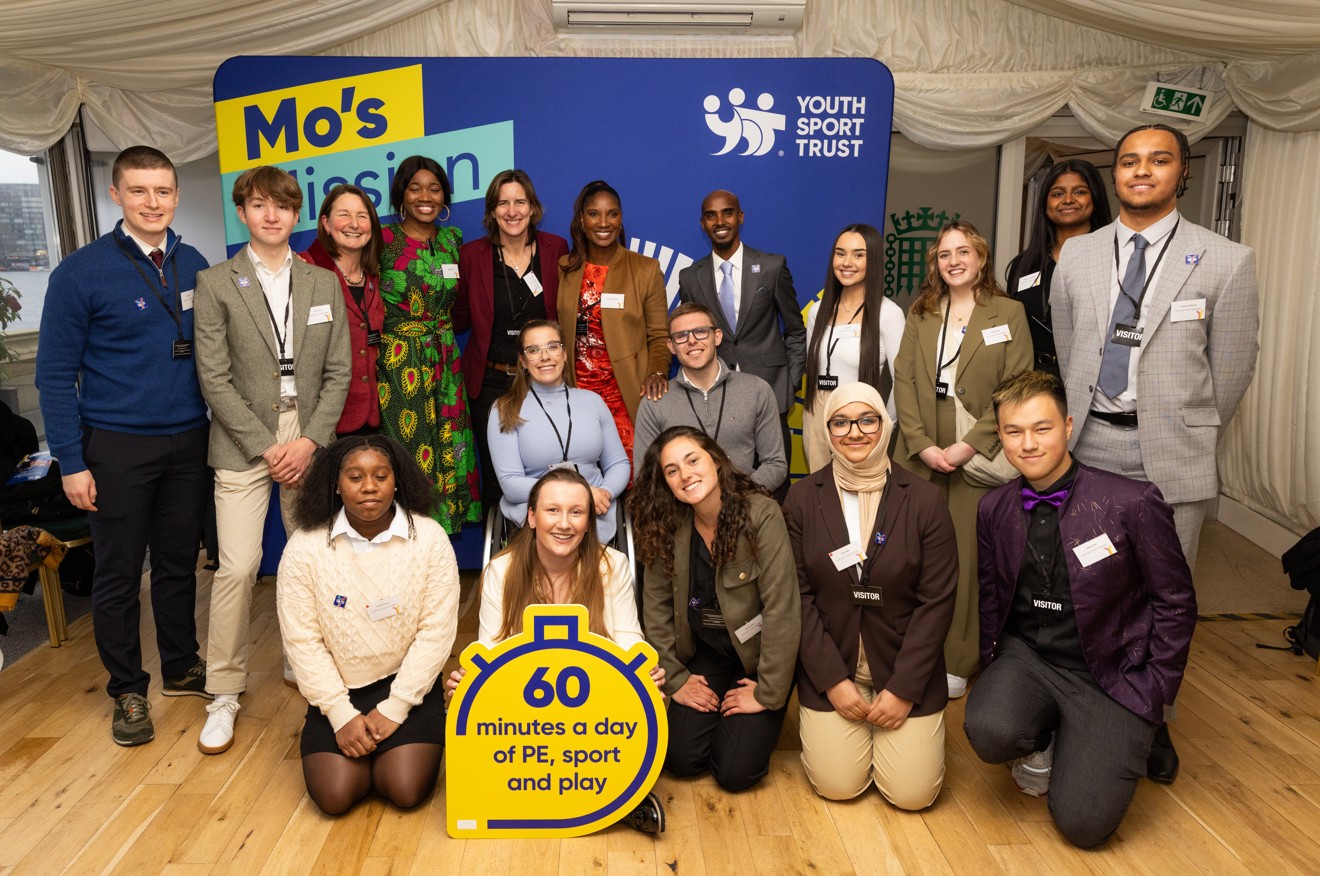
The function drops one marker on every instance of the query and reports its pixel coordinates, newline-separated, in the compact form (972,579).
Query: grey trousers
(1100,748)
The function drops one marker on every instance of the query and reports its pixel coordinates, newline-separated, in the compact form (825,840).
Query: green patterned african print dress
(423,402)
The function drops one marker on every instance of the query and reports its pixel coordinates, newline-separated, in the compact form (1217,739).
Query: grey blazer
(237,361)
(771,341)
(1191,374)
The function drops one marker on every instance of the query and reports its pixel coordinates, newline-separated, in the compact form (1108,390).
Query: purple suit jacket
(1136,609)
(475,306)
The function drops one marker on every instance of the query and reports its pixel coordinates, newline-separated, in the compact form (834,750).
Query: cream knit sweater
(336,648)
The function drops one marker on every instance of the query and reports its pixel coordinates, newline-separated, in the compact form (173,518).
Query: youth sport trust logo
(754,126)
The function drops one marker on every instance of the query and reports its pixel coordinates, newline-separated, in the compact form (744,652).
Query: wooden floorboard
(1247,800)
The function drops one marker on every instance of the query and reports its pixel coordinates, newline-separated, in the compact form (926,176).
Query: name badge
(1127,335)
(181,349)
(1091,552)
(996,334)
(867,593)
(827,382)
(1048,608)
(611,300)
(381,609)
(712,619)
(449,271)
(318,314)
(513,333)
(846,557)
(286,367)
(941,390)
(1029,281)
(571,466)
(533,282)
(373,338)
(851,330)
(1189,309)
(749,629)
(186,299)
(583,328)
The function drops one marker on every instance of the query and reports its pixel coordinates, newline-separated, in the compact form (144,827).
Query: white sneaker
(1032,773)
(218,732)
(289,679)
(957,685)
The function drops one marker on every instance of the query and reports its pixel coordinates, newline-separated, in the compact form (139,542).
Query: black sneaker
(132,722)
(192,684)
(648,817)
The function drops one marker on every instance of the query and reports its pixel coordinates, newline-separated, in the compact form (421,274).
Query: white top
(736,260)
(621,622)
(398,528)
(330,639)
(275,284)
(1157,236)
(845,364)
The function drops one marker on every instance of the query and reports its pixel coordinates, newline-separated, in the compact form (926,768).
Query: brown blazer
(917,568)
(746,587)
(980,368)
(635,334)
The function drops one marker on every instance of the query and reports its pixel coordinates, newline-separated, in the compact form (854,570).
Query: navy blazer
(475,306)
(1136,609)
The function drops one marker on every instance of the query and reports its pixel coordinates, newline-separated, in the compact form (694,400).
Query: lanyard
(719,420)
(940,364)
(288,308)
(1150,275)
(563,444)
(832,343)
(174,269)
(360,294)
(864,569)
(516,312)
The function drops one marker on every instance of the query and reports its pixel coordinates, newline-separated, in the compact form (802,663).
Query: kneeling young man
(1087,614)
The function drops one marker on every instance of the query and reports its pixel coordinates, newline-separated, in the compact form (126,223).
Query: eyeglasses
(537,349)
(867,425)
(697,334)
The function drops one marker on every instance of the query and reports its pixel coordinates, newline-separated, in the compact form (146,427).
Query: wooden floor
(1247,801)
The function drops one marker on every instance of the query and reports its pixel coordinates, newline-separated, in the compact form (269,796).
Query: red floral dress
(592,366)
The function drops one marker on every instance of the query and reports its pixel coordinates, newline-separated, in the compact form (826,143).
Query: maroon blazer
(917,569)
(1136,609)
(362,407)
(475,306)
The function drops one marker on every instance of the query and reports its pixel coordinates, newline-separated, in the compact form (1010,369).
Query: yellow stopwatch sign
(554,732)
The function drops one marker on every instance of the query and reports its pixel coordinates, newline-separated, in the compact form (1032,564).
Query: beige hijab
(867,478)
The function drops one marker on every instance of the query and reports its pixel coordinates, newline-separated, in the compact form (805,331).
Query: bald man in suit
(1156,355)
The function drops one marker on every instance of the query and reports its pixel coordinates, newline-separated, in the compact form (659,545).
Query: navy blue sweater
(104,351)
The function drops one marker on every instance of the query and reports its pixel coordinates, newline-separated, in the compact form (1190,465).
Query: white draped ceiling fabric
(968,73)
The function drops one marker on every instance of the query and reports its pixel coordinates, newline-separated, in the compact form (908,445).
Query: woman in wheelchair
(543,424)
(556,559)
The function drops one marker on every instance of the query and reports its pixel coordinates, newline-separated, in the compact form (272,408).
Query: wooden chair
(72,533)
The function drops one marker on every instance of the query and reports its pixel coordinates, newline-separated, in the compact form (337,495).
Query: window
(28,250)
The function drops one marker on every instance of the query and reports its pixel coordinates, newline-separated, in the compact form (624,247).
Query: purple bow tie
(1030,498)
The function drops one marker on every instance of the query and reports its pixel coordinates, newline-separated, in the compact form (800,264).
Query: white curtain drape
(1269,459)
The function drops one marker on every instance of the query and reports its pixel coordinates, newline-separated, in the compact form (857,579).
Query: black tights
(404,776)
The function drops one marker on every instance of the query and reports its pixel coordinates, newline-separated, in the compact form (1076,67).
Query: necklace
(361,275)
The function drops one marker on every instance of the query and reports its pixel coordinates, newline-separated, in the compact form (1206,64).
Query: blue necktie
(1114,365)
(726,295)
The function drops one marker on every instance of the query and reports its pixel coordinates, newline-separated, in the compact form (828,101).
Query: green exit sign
(1179,101)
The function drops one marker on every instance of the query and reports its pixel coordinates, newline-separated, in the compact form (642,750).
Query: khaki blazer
(980,368)
(634,334)
(765,586)
(237,359)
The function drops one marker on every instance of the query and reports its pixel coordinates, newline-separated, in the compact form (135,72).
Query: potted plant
(9,308)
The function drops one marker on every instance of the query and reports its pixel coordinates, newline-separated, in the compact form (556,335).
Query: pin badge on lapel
(244,282)
(756,269)
(1192,258)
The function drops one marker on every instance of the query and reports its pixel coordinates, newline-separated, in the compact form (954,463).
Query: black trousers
(150,491)
(493,385)
(1100,748)
(735,749)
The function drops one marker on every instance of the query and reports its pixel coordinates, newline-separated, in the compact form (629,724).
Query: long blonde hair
(934,288)
(509,405)
(524,578)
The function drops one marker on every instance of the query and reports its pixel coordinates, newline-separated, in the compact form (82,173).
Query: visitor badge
(319,314)
(533,282)
(1187,309)
(846,557)
(186,299)
(1029,281)
(996,334)
(380,609)
(1095,550)
(611,300)
(749,629)
(852,330)
(449,271)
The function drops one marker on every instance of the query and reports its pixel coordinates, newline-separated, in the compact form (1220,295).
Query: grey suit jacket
(1191,374)
(237,363)
(771,341)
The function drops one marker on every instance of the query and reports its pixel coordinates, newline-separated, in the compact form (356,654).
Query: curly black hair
(318,500)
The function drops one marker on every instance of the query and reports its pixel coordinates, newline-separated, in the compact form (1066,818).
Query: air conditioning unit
(678,16)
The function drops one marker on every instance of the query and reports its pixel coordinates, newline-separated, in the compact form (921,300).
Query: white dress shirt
(275,284)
